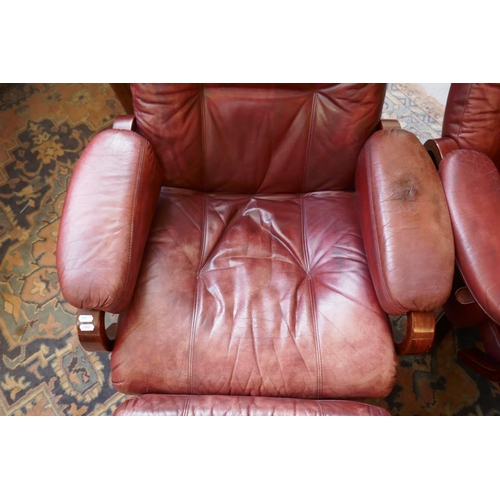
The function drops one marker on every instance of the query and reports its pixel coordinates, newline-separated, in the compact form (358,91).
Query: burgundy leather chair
(254,239)
(468,157)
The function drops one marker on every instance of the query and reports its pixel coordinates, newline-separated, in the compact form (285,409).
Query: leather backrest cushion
(258,138)
(472,117)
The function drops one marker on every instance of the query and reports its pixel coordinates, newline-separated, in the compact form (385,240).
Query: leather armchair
(468,158)
(254,239)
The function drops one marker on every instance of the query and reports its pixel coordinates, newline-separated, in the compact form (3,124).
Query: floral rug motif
(43,370)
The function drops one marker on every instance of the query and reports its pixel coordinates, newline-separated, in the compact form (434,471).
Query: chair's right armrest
(106,218)
(407,232)
(471,184)
(405,223)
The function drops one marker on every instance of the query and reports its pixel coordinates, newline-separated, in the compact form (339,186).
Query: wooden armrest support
(439,148)
(92,332)
(464,296)
(388,124)
(420,329)
(124,122)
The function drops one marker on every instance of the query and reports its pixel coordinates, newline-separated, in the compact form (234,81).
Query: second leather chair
(468,156)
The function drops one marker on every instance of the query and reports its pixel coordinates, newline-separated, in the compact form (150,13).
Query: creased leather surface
(258,138)
(472,117)
(254,295)
(472,186)
(106,218)
(405,223)
(165,405)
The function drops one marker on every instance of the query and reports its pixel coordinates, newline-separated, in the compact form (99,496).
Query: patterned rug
(43,370)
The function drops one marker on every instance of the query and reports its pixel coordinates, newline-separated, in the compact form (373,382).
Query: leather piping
(194,317)
(312,122)
(319,368)
(132,220)
(387,296)
(463,113)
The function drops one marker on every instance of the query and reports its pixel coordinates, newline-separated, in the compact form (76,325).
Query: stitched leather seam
(316,337)
(312,122)
(303,233)
(388,297)
(463,112)
(319,374)
(132,220)
(203,139)
(321,409)
(192,335)
(185,410)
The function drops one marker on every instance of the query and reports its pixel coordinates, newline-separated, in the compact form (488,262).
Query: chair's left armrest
(106,218)
(405,223)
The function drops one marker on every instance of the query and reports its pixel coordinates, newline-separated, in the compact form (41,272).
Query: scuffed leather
(472,117)
(286,138)
(261,295)
(106,218)
(472,186)
(163,405)
(405,223)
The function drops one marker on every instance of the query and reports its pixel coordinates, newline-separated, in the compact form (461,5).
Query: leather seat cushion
(258,295)
(166,405)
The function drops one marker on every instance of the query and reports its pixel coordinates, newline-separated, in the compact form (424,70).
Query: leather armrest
(405,223)
(472,185)
(106,218)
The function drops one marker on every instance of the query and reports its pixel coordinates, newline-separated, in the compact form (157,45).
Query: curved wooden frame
(420,330)
(92,332)
(124,122)
(388,124)
(439,148)
(464,296)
